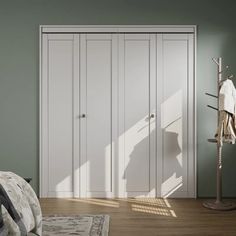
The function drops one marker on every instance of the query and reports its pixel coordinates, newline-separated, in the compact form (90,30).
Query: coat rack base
(220,205)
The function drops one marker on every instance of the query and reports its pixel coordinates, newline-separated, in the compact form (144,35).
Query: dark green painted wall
(19,70)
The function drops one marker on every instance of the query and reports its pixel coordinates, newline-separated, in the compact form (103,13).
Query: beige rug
(82,225)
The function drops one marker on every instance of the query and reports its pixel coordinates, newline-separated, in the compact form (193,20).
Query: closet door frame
(76,30)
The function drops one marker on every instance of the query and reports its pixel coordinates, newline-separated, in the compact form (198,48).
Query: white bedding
(24,201)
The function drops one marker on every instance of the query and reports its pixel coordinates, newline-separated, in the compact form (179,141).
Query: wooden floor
(149,217)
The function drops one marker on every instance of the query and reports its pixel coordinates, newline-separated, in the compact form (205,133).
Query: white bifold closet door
(57,115)
(117,115)
(137,81)
(98,93)
(175,116)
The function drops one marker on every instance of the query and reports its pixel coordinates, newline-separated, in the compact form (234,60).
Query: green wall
(19,70)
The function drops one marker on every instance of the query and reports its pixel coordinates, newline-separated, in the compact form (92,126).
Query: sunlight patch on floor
(155,206)
(148,201)
(153,210)
(99,202)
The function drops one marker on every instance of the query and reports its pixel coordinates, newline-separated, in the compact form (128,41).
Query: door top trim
(118,28)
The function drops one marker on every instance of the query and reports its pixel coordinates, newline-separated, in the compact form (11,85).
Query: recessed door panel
(138,173)
(96,103)
(60,116)
(175,164)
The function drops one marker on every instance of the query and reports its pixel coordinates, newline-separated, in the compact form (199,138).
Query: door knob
(83,116)
(152,115)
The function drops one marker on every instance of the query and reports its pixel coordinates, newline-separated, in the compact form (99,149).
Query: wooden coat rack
(218,203)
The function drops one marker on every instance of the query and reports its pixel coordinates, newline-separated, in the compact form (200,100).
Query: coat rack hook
(211,95)
(215,61)
(214,108)
(228,77)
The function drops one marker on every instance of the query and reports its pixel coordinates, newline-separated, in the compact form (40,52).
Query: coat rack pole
(219,175)
(218,204)
(219,145)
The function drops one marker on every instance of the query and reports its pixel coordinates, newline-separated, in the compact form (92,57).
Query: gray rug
(82,225)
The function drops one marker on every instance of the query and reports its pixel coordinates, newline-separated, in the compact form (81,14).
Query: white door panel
(137,173)
(96,103)
(60,115)
(174,159)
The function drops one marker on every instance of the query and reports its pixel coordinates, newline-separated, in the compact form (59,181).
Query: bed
(20,212)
